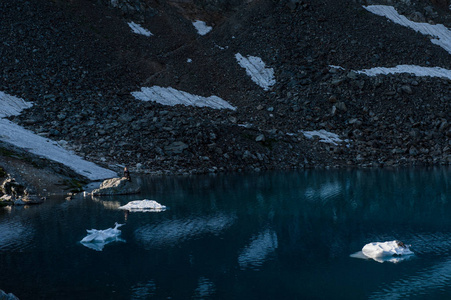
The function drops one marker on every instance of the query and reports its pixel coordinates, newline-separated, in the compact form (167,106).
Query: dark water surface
(261,236)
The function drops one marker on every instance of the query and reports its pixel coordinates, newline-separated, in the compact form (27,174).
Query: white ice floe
(256,253)
(411,69)
(20,137)
(441,34)
(256,69)
(201,27)
(138,29)
(392,251)
(143,206)
(97,239)
(170,96)
(324,136)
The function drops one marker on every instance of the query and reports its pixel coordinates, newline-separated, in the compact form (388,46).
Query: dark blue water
(261,236)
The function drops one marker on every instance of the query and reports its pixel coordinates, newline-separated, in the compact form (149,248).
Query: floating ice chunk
(11,105)
(393,251)
(138,29)
(201,27)
(97,239)
(171,96)
(411,69)
(255,68)
(143,206)
(440,32)
(324,136)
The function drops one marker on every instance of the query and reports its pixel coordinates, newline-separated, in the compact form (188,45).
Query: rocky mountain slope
(79,62)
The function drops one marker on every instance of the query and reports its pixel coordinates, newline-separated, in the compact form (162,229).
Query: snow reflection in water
(172,232)
(256,253)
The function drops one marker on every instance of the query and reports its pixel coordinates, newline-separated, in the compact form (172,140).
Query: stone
(5,296)
(117,186)
(260,138)
(175,148)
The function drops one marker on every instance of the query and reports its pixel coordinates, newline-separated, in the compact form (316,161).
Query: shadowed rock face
(117,186)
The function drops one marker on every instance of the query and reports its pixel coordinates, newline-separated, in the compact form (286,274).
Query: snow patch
(201,27)
(143,206)
(256,69)
(23,138)
(12,106)
(411,69)
(440,32)
(138,29)
(170,96)
(97,239)
(324,136)
(392,251)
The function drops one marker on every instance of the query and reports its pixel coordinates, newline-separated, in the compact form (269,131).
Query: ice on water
(392,251)
(143,206)
(97,239)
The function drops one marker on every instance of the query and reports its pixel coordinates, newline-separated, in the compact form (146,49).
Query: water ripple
(256,253)
(15,235)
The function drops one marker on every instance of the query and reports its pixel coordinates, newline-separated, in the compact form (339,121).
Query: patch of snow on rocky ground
(324,136)
(441,34)
(412,69)
(138,29)
(255,68)
(20,137)
(170,96)
(201,27)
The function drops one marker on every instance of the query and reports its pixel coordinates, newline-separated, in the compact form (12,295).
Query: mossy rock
(3,173)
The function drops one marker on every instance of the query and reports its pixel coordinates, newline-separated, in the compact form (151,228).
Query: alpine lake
(269,235)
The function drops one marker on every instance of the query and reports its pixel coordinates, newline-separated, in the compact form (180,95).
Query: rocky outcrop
(12,192)
(5,296)
(117,186)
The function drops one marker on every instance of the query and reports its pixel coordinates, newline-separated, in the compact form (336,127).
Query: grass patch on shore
(2,172)
(74,185)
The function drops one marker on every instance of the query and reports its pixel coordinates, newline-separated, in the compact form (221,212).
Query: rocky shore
(79,62)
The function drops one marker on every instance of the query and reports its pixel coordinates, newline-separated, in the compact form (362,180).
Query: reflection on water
(243,236)
(255,254)
(173,232)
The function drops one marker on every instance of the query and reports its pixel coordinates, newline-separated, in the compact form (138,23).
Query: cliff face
(81,63)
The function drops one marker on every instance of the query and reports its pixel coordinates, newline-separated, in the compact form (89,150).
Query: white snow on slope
(324,136)
(441,34)
(12,106)
(255,68)
(171,96)
(138,29)
(201,27)
(23,138)
(411,69)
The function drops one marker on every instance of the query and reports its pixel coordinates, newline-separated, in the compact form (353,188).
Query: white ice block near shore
(257,70)
(20,137)
(170,96)
(143,206)
(97,239)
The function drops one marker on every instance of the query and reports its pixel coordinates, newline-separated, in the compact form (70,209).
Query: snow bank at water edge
(324,136)
(201,27)
(20,137)
(440,32)
(411,69)
(256,69)
(170,96)
(138,29)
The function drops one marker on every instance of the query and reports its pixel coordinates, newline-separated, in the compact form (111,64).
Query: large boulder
(5,296)
(117,186)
